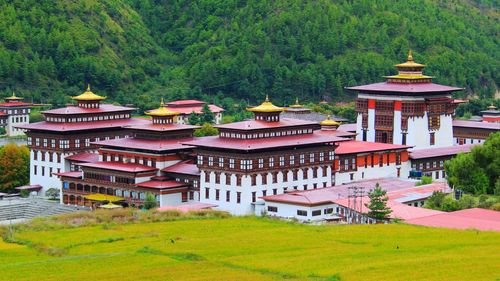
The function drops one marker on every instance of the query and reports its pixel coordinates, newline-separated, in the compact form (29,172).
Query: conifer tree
(378,203)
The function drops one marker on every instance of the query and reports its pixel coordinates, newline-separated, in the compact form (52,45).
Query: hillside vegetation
(212,246)
(135,51)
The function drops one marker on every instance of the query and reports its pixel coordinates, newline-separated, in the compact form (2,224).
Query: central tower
(406,109)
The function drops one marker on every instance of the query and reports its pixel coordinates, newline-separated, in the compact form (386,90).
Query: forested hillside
(135,51)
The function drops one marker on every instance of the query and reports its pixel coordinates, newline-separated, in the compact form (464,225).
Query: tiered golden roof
(13,97)
(409,62)
(162,111)
(266,107)
(329,122)
(297,104)
(410,70)
(492,107)
(88,96)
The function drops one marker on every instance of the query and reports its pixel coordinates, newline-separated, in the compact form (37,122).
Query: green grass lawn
(247,248)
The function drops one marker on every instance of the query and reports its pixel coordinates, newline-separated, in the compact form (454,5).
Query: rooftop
(79,126)
(188,207)
(260,124)
(475,218)
(440,151)
(119,166)
(477,125)
(154,184)
(264,143)
(413,88)
(347,127)
(14,104)
(266,107)
(103,108)
(147,144)
(162,111)
(88,96)
(163,127)
(352,146)
(187,109)
(183,168)
(76,175)
(186,103)
(86,157)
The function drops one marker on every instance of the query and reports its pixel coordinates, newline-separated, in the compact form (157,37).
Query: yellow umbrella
(103,197)
(110,206)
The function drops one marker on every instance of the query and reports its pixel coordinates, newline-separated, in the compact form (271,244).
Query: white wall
(373,172)
(47,181)
(288,211)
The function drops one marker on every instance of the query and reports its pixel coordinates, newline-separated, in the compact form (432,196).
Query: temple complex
(406,109)
(71,130)
(265,156)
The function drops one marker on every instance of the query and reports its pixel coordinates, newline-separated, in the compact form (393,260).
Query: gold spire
(491,107)
(266,107)
(297,104)
(13,97)
(410,56)
(329,122)
(162,111)
(410,62)
(88,96)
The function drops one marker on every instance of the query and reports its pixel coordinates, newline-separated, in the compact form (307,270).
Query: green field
(247,248)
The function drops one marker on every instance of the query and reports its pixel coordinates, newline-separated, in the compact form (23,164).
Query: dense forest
(232,52)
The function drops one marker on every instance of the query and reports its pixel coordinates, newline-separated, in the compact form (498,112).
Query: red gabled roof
(80,126)
(477,125)
(465,219)
(188,207)
(146,144)
(183,168)
(352,146)
(440,151)
(86,157)
(195,109)
(258,124)
(414,88)
(119,166)
(14,103)
(161,184)
(264,143)
(103,108)
(185,103)
(347,127)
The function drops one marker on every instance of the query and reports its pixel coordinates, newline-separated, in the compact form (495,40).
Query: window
(398,158)
(311,158)
(207,193)
(184,196)
(217,194)
(292,159)
(316,213)
(35,169)
(272,209)
(398,172)
(221,162)
(321,156)
(282,160)
(254,197)
(302,213)
(238,197)
(275,191)
(302,159)
(231,163)
(432,138)
(261,163)
(264,178)
(328,211)
(331,155)
(264,192)
(271,162)
(403,141)
(228,195)
(200,160)
(210,160)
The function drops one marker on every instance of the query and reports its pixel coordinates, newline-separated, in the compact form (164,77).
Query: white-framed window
(45,142)
(311,158)
(210,160)
(53,143)
(231,163)
(37,141)
(29,140)
(271,162)
(200,159)
(77,143)
(87,142)
(292,159)
(321,156)
(302,159)
(331,155)
(221,162)
(261,163)
(282,160)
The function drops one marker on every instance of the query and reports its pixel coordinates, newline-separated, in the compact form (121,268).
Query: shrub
(424,180)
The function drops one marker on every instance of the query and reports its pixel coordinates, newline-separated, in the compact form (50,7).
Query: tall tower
(406,109)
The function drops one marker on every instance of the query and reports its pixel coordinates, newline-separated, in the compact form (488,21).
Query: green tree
(194,119)
(378,203)
(206,130)
(150,201)
(14,167)
(435,201)
(53,193)
(207,116)
(424,180)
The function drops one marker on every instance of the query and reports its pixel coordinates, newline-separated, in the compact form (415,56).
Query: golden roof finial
(162,104)
(297,104)
(329,122)
(266,107)
(88,96)
(162,111)
(410,56)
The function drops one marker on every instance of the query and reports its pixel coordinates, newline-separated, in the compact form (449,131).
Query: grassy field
(247,248)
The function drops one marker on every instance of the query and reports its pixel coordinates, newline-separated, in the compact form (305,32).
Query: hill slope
(241,49)
(248,248)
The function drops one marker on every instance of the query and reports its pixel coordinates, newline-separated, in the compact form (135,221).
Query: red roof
(79,126)
(264,143)
(195,109)
(478,125)
(14,103)
(29,187)
(464,219)
(258,124)
(336,133)
(414,88)
(119,166)
(186,103)
(347,127)
(86,157)
(183,168)
(163,127)
(146,144)
(329,194)
(77,174)
(440,151)
(103,108)
(161,184)
(350,147)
